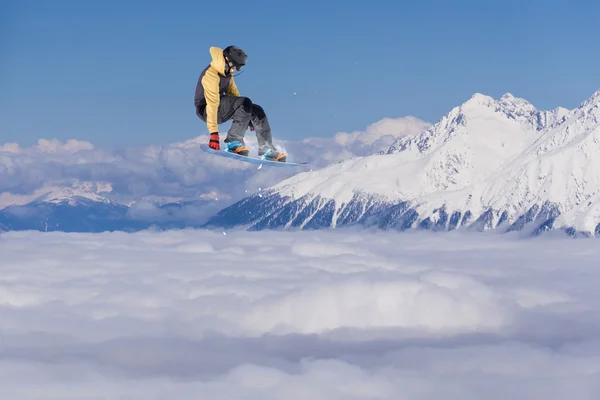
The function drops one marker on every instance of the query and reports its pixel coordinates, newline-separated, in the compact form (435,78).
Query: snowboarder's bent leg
(262,128)
(240,112)
(266,149)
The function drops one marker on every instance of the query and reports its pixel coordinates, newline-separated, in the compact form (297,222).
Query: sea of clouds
(342,314)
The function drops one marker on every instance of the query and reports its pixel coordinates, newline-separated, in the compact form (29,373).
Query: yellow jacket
(212,84)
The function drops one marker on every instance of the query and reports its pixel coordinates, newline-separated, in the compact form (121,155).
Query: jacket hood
(218,60)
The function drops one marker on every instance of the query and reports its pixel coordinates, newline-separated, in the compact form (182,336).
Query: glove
(251,126)
(213,143)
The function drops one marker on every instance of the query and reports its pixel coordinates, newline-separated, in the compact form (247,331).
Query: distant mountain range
(489,164)
(82,210)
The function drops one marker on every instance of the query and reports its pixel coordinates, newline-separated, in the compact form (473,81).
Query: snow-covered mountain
(76,214)
(81,208)
(488,164)
(77,207)
(78,193)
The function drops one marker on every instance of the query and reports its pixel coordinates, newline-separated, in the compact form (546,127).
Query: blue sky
(123,73)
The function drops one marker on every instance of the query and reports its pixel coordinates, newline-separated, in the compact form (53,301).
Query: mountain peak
(592,101)
(480,99)
(475,119)
(79,190)
(507,103)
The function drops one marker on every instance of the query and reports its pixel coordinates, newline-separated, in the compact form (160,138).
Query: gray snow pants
(241,111)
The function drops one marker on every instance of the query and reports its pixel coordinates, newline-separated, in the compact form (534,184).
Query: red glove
(213,143)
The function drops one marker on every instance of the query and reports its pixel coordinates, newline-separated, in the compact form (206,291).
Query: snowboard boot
(274,155)
(238,147)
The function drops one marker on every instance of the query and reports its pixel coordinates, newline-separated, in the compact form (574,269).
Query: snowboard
(249,159)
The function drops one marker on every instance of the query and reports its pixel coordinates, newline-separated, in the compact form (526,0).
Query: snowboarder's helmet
(235,56)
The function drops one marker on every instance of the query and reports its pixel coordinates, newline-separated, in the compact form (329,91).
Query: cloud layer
(321,315)
(176,171)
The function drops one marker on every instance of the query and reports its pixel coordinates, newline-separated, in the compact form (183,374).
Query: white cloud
(48,146)
(418,303)
(180,170)
(176,314)
(376,137)
(55,146)
(10,148)
(387,128)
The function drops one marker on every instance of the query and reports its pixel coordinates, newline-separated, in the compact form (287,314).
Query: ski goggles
(233,66)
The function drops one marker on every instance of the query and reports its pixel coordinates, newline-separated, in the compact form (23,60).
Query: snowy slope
(78,193)
(465,147)
(487,162)
(562,167)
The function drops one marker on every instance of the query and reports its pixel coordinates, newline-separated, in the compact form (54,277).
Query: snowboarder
(218,100)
